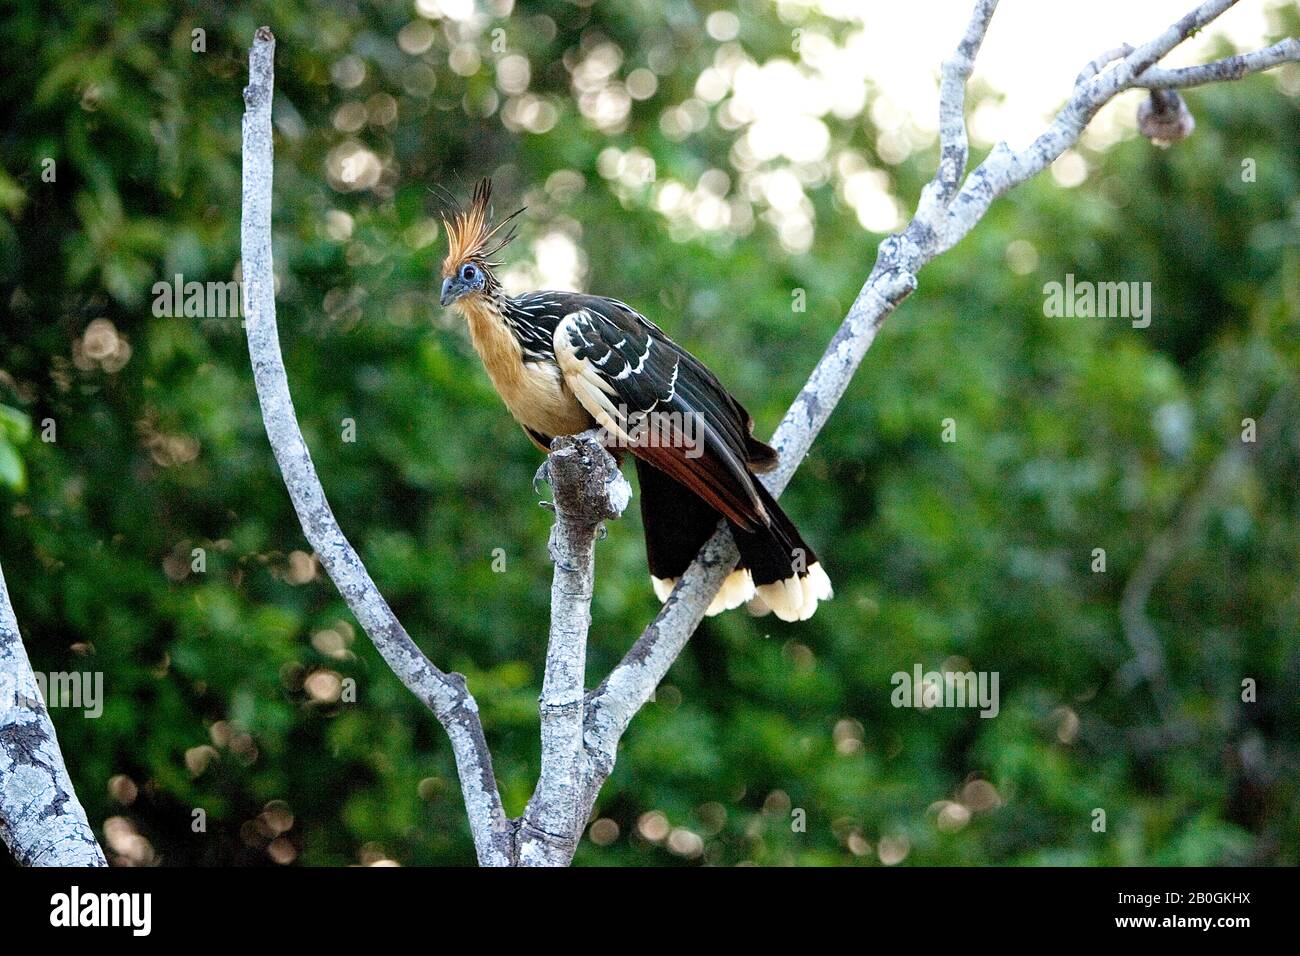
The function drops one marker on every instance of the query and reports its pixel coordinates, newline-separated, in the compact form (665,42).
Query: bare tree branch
(952,109)
(588,488)
(580,733)
(41,821)
(942,218)
(445,694)
(1222,71)
(1100,63)
(1149,53)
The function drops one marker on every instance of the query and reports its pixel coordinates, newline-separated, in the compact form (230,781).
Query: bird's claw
(555,556)
(543,474)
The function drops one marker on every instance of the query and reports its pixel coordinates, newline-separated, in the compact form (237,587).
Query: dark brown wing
(658,398)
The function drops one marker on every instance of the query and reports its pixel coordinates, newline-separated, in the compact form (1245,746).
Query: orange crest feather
(470,232)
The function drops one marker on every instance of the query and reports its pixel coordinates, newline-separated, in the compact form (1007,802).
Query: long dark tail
(777,570)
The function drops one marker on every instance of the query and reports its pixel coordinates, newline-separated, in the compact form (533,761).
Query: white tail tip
(735,591)
(794,599)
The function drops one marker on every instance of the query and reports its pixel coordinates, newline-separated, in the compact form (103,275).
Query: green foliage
(15,428)
(1072,434)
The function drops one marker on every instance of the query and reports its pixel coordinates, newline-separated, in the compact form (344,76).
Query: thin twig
(952,109)
(1100,63)
(1222,71)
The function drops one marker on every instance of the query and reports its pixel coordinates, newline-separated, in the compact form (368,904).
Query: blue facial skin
(469,278)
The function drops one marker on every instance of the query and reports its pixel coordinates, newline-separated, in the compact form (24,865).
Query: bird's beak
(451,291)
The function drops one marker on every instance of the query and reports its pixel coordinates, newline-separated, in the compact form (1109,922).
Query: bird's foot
(543,475)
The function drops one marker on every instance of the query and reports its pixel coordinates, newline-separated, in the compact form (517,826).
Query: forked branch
(444,694)
(580,733)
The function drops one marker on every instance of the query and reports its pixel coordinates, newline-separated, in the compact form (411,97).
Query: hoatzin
(565,362)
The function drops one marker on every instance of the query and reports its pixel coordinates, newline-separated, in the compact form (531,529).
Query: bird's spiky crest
(470,233)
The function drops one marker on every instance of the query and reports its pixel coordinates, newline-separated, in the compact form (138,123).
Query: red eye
(468,273)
